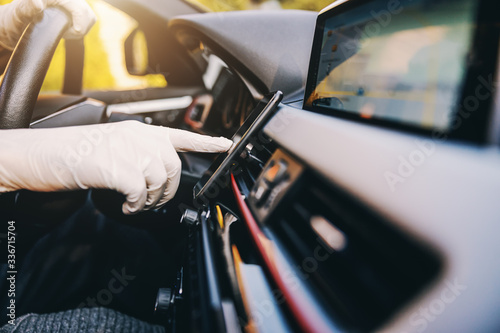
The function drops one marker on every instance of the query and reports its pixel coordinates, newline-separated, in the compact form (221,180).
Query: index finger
(188,141)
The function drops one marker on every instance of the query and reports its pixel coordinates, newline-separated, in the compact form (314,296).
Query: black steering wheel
(28,66)
(19,91)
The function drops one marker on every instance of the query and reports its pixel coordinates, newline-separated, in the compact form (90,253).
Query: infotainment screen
(254,122)
(401,61)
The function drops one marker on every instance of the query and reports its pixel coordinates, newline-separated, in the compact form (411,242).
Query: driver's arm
(15,16)
(135,159)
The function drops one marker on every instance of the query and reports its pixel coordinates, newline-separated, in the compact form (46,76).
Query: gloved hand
(15,16)
(135,159)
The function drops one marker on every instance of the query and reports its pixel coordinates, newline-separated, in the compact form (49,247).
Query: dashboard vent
(359,266)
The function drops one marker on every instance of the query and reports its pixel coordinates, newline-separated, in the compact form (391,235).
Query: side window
(104,67)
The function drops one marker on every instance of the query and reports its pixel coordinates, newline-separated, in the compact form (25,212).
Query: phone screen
(254,122)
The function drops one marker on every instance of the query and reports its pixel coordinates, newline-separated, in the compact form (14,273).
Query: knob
(190,217)
(163,300)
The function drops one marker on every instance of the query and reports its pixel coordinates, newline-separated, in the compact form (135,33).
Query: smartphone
(254,122)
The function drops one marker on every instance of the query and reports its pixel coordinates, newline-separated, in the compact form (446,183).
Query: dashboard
(228,100)
(329,224)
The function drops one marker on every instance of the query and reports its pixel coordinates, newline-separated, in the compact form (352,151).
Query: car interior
(360,192)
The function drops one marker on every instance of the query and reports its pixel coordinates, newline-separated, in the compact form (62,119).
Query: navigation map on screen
(406,66)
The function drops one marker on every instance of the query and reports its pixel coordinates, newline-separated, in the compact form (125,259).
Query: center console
(280,249)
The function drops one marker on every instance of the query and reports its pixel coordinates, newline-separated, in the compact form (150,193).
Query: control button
(261,193)
(261,190)
(276,172)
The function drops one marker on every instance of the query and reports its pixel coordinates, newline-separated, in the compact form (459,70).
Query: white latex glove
(135,159)
(15,17)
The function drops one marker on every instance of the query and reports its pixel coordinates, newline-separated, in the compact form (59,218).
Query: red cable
(306,318)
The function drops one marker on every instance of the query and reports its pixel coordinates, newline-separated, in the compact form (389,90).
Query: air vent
(361,268)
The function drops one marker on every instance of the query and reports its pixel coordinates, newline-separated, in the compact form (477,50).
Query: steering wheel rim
(28,66)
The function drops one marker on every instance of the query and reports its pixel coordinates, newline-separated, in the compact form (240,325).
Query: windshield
(227,5)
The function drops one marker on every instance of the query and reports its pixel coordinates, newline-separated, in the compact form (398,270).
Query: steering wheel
(19,91)
(28,66)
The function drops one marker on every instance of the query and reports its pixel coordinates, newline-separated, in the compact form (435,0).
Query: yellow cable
(219,217)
